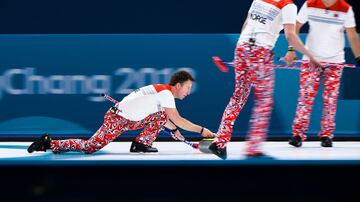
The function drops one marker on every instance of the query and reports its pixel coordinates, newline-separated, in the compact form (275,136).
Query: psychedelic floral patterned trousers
(113,126)
(309,86)
(253,67)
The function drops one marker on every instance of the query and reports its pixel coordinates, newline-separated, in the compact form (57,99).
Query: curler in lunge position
(148,108)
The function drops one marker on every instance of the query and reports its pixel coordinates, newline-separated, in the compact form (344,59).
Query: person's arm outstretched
(185,124)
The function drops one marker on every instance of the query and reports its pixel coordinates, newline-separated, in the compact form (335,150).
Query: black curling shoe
(295,141)
(41,144)
(138,147)
(220,152)
(326,141)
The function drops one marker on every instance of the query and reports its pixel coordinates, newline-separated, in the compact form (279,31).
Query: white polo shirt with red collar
(266,19)
(145,101)
(326,39)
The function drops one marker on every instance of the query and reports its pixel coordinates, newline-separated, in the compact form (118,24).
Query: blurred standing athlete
(254,67)
(327,20)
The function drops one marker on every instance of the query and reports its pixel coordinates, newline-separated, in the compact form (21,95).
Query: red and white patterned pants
(253,67)
(113,126)
(309,86)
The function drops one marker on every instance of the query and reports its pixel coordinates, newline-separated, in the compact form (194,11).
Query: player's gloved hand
(357,61)
(207,133)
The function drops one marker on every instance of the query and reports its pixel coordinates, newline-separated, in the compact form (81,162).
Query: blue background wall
(51,83)
(107,57)
(56,57)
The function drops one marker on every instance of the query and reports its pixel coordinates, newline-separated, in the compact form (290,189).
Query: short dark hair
(180,77)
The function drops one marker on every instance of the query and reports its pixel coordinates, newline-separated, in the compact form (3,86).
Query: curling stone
(204,145)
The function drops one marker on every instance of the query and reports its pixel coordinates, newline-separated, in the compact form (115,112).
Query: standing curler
(327,21)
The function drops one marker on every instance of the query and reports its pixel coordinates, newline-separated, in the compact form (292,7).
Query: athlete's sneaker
(138,147)
(220,152)
(41,144)
(295,141)
(326,141)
